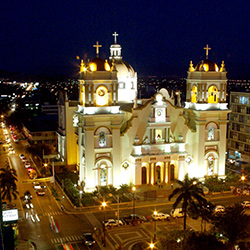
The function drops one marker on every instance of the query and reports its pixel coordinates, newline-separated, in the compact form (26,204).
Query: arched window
(102,139)
(212,94)
(194,94)
(158,134)
(210,135)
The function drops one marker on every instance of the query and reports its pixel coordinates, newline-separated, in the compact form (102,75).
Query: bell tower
(206,115)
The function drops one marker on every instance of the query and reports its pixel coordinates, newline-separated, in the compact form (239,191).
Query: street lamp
(151,245)
(243,177)
(155,213)
(104,228)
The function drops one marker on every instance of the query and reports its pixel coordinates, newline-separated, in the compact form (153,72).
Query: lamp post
(155,213)
(243,177)
(104,228)
(133,190)
(80,198)
(53,171)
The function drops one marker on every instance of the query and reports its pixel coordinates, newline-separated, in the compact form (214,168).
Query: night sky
(157,37)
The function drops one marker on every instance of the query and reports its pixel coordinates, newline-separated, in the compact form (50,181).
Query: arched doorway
(143,175)
(172,172)
(158,174)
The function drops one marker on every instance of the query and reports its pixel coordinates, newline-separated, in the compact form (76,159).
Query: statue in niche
(102,139)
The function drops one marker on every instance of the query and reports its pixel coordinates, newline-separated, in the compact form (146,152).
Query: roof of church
(124,69)
(100,64)
(206,65)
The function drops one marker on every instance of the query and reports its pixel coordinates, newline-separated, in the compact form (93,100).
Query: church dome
(124,69)
(206,65)
(98,64)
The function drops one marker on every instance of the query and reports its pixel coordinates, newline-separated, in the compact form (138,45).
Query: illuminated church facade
(115,138)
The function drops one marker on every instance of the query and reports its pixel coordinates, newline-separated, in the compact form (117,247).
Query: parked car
(40,191)
(88,239)
(33,174)
(29,169)
(21,156)
(161,216)
(177,213)
(246,204)
(24,159)
(134,218)
(219,209)
(112,223)
(27,164)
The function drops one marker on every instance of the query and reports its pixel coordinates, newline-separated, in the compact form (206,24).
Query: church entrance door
(144,175)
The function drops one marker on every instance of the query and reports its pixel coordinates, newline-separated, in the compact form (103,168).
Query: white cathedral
(114,138)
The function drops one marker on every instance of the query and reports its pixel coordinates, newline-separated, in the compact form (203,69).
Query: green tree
(233,224)
(188,192)
(8,178)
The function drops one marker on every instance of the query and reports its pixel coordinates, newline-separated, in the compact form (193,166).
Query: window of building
(194,94)
(244,100)
(212,94)
(121,85)
(158,134)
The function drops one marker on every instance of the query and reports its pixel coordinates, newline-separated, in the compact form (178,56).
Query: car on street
(40,191)
(134,218)
(27,164)
(112,223)
(160,216)
(24,159)
(33,174)
(246,204)
(88,239)
(21,156)
(219,209)
(177,213)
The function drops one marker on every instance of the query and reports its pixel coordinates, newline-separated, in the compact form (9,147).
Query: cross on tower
(97,46)
(207,49)
(115,35)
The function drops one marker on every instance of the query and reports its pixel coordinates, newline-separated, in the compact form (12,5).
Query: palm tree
(188,192)
(8,179)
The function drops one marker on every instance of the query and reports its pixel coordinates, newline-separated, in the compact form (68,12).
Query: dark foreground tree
(8,178)
(234,224)
(188,240)
(189,192)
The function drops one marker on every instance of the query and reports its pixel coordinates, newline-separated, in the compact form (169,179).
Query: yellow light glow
(243,177)
(104,204)
(107,66)
(206,67)
(102,96)
(212,94)
(93,67)
(151,245)
(133,189)
(194,94)
(155,212)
